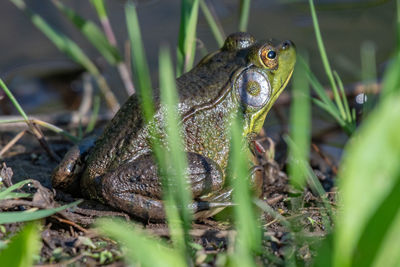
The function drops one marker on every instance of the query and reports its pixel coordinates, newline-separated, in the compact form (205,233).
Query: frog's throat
(211,104)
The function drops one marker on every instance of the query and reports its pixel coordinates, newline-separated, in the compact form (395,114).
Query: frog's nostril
(286,44)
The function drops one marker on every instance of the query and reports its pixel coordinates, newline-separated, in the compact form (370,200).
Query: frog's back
(204,82)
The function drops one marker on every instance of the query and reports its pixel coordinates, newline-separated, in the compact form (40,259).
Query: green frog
(243,78)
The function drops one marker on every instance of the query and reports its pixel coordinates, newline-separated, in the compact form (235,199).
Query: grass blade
(391,78)
(213,23)
(248,239)
(140,68)
(347,123)
(23,216)
(317,86)
(325,60)
(23,247)
(187,36)
(100,8)
(300,126)
(306,170)
(14,101)
(244,15)
(168,93)
(388,254)
(92,33)
(141,247)
(124,73)
(62,42)
(4,194)
(369,187)
(30,121)
(175,182)
(343,94)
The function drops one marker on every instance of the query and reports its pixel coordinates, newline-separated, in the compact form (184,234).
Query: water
(344,31)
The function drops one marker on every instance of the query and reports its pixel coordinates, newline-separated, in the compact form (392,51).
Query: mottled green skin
(207,103)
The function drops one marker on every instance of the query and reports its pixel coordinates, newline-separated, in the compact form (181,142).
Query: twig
(11,203)
(122,68)
(272,201)
(42,141)
(12,142)
(80,228)
(126,78)
(12,122)
(193,232)
(64,263)
(271,222)
(108,95)
(86,102)
(325,158)
(47,125)
(128,56)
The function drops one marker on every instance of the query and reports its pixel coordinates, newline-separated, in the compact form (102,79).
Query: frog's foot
(135,187)
(66,175)
(211,205)
(257,179)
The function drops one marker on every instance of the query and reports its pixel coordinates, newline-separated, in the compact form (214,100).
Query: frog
(243,78)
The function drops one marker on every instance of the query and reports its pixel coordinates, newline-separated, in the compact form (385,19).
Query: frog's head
(258,85)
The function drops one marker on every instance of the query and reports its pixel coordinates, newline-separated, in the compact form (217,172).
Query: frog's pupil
(271,54)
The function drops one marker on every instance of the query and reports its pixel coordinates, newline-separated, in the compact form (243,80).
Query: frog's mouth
(283,86)
(278,92)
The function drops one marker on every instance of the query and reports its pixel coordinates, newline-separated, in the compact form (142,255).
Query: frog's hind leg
(135,187)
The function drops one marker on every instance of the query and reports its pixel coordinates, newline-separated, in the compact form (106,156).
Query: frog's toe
(205,209)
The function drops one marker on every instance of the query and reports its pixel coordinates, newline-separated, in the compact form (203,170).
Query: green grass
(248,240)
(300,116)
(187,36)
(24,216)
(213,23)
(22,248)
(339,108)
(92,33)
(369,185)
(244,15)
(140,69)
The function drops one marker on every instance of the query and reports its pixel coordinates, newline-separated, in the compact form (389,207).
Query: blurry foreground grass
(367,226)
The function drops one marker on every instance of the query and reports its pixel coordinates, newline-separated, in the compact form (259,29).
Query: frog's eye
(269,57)
(254,88)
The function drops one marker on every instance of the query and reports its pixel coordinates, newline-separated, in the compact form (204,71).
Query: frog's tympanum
(244,77)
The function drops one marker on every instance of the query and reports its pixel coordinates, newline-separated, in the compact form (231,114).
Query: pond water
(344,30)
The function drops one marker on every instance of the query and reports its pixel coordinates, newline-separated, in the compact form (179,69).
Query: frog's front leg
(135,187)
(66,175)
